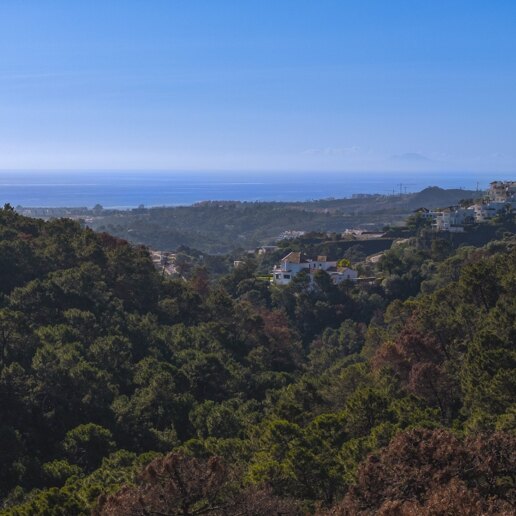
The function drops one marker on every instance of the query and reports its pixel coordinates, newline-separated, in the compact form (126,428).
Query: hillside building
(500,196)
(452,219)
(502,191)
(295,262)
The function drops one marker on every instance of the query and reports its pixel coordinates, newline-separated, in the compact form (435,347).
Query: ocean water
(130,189)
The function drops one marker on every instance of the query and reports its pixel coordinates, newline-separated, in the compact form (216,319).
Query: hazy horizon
(129,189)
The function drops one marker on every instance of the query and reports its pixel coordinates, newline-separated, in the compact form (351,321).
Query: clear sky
(258,84)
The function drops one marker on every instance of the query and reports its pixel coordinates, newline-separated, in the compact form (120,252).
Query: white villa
(453,219)
(295,262)
(488,210)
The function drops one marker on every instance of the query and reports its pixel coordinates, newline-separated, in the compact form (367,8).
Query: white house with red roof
(295,262)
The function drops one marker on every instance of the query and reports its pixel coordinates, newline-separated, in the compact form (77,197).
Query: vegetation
(125,392)
(221,226)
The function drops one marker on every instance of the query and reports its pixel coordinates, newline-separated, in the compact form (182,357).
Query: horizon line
(257,170)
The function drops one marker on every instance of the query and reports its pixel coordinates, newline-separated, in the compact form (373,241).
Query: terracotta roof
(321,258)
(294,257)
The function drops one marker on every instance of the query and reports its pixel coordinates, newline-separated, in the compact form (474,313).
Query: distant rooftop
(293,257)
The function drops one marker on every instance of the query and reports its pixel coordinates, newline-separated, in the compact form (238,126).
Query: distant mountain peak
(412,157)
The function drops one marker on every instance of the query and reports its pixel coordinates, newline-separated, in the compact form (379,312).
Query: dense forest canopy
(123,391)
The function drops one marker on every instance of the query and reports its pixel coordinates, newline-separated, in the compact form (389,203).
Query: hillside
(435,197)
(124,392)
(222,226)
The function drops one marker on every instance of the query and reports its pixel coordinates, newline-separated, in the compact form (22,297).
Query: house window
(278,276)
(286,276)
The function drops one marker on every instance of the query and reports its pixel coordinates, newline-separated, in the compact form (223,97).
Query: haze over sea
(130,189)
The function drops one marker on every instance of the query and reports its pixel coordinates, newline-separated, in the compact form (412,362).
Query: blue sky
(258,85)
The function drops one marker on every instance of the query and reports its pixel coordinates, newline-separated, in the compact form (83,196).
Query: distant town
(500,198)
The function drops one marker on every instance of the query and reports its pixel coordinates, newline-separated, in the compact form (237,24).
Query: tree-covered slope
(221,226)
(395,397)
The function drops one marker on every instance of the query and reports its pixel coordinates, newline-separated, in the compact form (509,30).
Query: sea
(130,189)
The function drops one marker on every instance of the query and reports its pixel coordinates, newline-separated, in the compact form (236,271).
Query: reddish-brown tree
(431,472)
(179,485)
(283,347)
(419,362)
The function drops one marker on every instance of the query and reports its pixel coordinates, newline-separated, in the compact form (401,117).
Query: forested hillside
(221,226)
(123,392)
